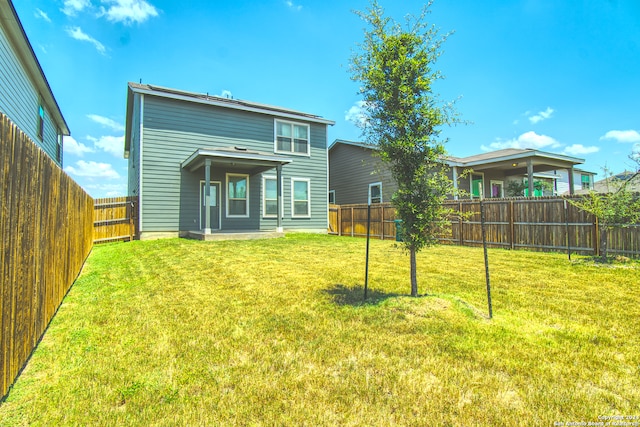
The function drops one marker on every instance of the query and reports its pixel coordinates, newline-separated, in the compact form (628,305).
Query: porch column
(455,181)
(530,176)
(207,196)
(279,197)
(571,183)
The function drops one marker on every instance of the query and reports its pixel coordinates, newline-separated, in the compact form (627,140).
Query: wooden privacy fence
(46,233)
(115,219)
(529,223)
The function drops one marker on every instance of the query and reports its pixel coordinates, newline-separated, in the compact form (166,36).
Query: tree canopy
(395,68)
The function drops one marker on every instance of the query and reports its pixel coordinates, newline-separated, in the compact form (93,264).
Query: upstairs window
(59,147)
(292,138)
(40,122)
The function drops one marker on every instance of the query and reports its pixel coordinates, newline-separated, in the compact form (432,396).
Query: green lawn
(274,332)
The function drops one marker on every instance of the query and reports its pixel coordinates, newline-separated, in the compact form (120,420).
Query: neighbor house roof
(510,158)
(614,182)
(16,34)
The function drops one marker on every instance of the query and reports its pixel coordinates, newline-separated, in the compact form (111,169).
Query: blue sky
(559,76)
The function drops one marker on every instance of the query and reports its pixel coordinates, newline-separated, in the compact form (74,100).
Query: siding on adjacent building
(351,185)
(172,130)
(20,98)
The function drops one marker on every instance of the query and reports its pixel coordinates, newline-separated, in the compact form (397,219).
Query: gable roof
(221,101)
(15,32)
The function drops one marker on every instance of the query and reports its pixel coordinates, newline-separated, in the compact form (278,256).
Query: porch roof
(238,157)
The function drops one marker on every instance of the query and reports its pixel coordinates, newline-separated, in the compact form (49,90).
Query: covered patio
(237,159)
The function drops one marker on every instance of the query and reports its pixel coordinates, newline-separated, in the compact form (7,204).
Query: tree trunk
(414,278)
(603,243)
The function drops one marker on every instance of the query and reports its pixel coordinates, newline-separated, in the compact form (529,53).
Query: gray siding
(174,129)
(19,99)
(352,169)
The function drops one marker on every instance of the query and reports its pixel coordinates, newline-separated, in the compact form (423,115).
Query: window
(237,195)
(375,193)
(59,147)
(292,138)
(300,199)
(477,186)
(269,196)
(586,182)
(332,197)
(40,122)
(497,188)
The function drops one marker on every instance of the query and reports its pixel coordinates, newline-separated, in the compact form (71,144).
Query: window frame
(293,124)
(293,198)
(332,193)
(501,184)
(583,181)
(369,199)
(228,199)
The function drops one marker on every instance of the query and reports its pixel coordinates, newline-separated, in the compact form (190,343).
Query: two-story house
(25,95)
(203,165)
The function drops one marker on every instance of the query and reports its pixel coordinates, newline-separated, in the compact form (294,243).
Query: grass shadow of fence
(354,295)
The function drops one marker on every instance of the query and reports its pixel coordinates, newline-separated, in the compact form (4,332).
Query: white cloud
(622,135)
(292,5)
(107,190)
(72,7)
(356,114)
(92,169)
(78,34)
(111,144)
(105,121)
(40,14)
(579,149)
(526,140)
(542,115)
(128,11)
(71,146)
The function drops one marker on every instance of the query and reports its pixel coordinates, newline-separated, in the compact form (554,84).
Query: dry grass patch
(179,332)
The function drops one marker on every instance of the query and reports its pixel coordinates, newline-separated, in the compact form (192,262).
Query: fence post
(352,223)
(461,225)
(512,225)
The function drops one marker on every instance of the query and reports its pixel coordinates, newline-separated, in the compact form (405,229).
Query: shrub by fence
(543,224)
(46,232)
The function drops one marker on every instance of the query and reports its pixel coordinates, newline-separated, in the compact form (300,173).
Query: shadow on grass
(354,295)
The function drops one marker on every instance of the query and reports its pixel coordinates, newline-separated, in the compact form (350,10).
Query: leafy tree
(394,67)
(617,207)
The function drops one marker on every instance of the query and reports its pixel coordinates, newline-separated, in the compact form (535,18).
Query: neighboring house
(356,176)
(25,95)
(202,164)
(584,181)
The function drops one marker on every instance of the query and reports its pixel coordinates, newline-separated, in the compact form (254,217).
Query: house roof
(614,182)
(512,160)
(15,32)
(221,101)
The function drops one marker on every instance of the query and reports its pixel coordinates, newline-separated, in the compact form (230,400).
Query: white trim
(264,193)
(374,184)
(140,136)
(501,183)
(218,201)
(292,123)
(226,195)
(293,197)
